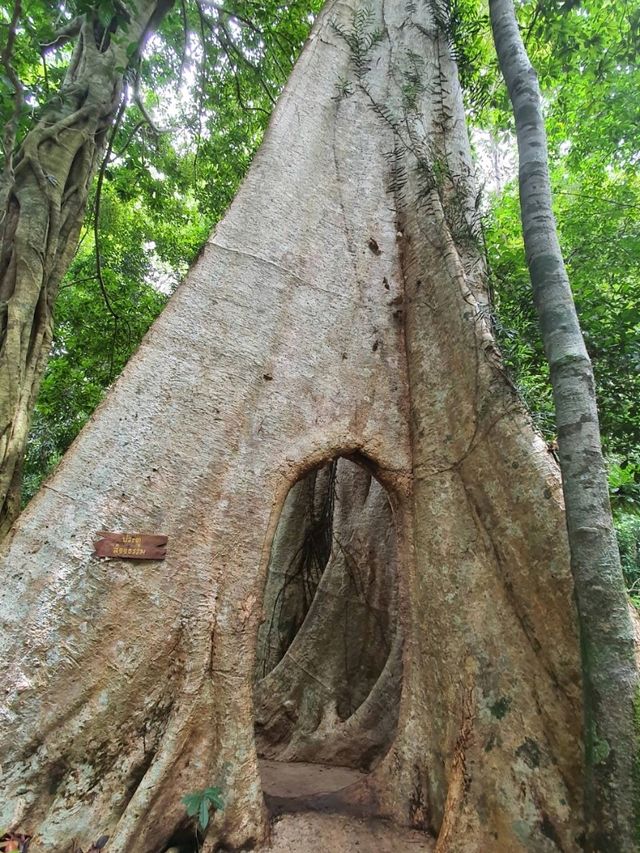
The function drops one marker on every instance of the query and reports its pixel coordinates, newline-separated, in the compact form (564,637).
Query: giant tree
(340,309)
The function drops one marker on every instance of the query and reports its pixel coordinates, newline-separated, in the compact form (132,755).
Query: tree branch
(227,43)
(137,97)
(129,139)
(96,215)
(185,37)
(11,127)
(70,31)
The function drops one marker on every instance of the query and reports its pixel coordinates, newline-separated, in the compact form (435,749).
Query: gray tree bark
(609,670)
(339,309)
(43,199)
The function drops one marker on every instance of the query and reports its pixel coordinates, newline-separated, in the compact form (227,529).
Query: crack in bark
(275,265)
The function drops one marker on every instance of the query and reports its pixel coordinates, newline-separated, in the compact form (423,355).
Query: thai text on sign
(131,546)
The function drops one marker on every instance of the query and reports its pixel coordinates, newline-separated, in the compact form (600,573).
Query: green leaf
(212,792)
(203,816)
(214,796)
(105,13)
(193,803)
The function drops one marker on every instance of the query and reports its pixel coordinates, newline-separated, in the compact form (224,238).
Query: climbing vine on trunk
(43,192)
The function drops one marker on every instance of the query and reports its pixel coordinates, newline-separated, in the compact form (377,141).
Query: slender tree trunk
(610,675)
(45,188)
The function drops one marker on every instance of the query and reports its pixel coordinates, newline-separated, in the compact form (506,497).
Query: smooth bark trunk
(609,668)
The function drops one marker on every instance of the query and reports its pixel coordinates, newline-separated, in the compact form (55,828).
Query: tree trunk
(45,186)
(340,309)
(609,670)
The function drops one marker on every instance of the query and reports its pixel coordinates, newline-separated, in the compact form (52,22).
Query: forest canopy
(197,100)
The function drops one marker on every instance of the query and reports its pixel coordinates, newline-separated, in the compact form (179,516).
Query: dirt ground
(309,832)
(294,792)
(294,780)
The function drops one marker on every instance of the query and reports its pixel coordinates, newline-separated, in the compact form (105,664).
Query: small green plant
(344,89)
(200,802)
(361,38)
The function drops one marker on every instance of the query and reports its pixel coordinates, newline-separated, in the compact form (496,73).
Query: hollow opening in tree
(329,653)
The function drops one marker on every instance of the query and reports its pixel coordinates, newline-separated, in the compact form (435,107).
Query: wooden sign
(131,546)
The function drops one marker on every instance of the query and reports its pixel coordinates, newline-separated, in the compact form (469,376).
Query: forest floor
(308,814)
